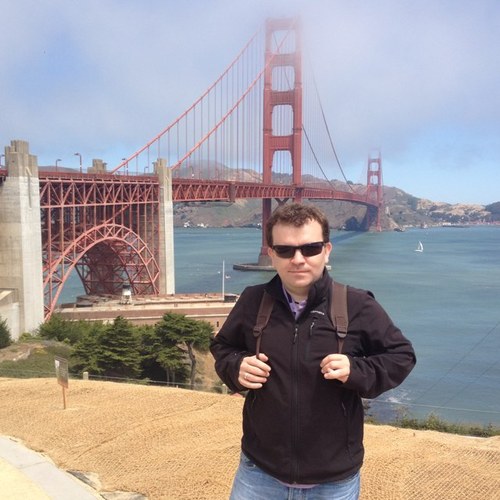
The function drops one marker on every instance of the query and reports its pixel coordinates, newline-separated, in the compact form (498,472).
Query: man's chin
(299,283)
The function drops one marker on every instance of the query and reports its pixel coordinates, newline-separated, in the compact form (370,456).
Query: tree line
(163,352)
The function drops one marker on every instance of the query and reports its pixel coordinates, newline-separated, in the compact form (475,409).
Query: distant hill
(401,210)
(406,210)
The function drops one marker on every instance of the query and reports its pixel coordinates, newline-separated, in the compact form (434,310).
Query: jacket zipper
(308,345)
(311,327)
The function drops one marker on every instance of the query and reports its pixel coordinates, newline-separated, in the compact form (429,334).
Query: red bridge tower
(374,193)
(275,59)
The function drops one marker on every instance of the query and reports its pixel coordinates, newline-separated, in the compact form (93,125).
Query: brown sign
(61,371)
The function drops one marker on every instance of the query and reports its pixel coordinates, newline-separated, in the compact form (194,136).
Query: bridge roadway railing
(191,190)
(206,190)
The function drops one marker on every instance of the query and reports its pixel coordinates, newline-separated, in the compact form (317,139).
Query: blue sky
(420,81)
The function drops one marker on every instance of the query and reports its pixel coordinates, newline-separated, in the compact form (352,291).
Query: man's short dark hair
(297,214)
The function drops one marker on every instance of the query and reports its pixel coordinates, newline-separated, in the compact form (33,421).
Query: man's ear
(328,248)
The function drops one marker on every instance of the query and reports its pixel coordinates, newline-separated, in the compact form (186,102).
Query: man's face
(298,273)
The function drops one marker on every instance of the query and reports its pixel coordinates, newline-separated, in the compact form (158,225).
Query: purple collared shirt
(295,307)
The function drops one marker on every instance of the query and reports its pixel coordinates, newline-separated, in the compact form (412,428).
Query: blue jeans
(252,483)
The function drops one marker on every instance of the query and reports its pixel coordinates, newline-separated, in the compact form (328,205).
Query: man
(303,414)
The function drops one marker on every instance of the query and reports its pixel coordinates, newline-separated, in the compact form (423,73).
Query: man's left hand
(336,367)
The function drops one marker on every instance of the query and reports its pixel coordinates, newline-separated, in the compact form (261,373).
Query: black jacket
(299,427)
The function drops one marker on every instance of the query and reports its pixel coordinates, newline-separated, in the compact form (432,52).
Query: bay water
(446,300)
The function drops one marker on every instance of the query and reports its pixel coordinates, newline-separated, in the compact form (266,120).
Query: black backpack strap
(265,309)
(338,312)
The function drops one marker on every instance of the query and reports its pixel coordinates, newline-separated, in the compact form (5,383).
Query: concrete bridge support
(21,273)
(166,228)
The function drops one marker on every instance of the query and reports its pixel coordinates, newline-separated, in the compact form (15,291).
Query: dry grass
(177,444)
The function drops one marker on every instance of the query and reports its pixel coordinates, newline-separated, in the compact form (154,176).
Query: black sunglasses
(307,250)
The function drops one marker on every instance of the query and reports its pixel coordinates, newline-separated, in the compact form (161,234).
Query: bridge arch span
(105,257)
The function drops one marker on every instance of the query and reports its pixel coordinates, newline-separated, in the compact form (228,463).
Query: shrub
(5,338)
(434,423)
(58,328)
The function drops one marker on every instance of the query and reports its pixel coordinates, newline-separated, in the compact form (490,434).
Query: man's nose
(297,256)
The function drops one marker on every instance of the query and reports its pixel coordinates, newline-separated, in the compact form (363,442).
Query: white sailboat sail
(420,247)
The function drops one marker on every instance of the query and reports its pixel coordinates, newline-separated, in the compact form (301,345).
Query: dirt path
(18,351)
(176,444)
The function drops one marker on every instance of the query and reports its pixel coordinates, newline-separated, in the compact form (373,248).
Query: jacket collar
(317,293)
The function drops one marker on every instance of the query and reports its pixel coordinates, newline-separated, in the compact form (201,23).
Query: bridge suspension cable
(328,133)
(222,130)
(200,116)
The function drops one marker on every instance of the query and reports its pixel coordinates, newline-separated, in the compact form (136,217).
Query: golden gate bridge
(255,133)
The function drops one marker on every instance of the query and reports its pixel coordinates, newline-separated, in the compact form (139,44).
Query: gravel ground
(175,444)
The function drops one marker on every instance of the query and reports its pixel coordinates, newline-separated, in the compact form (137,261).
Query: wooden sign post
(62,375)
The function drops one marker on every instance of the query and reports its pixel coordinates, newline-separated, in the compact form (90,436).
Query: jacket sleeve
(382,357)
(230,345)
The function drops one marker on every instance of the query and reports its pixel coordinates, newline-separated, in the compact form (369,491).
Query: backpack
(338,314)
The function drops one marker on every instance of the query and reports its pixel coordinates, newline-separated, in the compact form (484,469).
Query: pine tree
(161,358)
(86,350)
(180,334)
(118,350)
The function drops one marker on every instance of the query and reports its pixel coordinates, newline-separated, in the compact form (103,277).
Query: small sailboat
(420,247)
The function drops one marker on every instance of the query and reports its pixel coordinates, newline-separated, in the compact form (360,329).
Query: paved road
(27,475)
